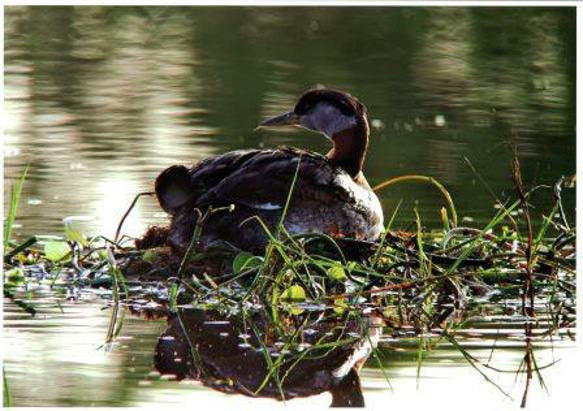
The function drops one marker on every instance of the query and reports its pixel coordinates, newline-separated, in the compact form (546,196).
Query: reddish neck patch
(350,148)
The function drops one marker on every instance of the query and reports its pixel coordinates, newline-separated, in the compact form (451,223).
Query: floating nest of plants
(314,297)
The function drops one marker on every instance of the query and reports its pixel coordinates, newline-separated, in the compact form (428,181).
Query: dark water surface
(98,100)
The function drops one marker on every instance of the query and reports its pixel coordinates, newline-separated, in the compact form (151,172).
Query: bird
(249,190)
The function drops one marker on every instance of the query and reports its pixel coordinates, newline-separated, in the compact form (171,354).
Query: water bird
(330,194)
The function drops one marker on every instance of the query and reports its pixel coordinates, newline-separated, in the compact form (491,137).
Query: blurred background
(99,100)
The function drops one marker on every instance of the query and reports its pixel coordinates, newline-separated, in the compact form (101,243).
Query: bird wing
(260,179)
(263,181)
(177,185)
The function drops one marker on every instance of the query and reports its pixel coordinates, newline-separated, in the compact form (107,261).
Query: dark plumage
(330,195)
(347,104)
(206,346)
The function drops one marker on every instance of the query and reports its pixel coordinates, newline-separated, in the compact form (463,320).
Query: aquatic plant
(431,282)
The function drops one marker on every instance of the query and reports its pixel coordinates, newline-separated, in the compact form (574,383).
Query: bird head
(322,110)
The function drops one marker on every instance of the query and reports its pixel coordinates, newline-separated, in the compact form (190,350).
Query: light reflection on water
(60,352)
(100,100)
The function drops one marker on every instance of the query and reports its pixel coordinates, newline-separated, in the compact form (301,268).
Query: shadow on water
(245,354)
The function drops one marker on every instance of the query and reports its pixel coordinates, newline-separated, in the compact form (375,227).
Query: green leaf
(56,250)
(14,274)
(293,294)
(337,273)
(245,260)
(172,297)
(340,306)
(13,278)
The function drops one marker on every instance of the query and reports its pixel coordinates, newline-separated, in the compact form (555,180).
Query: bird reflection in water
(304,355)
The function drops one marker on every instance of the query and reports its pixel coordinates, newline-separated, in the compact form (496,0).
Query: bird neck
(350,147)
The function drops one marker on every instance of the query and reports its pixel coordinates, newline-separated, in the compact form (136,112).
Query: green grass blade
(7,398)
(495,221)
(14,201)
(471,360)
(430,180)
(384,236)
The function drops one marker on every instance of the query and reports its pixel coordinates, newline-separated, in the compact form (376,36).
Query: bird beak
(287,119)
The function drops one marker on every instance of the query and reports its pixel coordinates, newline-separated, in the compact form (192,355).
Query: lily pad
(56,250)
(291,296)
(295,293)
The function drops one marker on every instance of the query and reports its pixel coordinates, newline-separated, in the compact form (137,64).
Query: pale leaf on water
(56,250)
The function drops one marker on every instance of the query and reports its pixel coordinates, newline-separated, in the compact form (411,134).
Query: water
(99,100)
(57,359)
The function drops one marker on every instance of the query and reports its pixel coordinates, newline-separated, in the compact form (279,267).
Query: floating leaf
(56,250)
(14,274)
(337,273)
(13,278)
(340,306)
(294,294)
(246,260)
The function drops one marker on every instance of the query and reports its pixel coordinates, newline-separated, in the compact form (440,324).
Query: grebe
(330,195)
